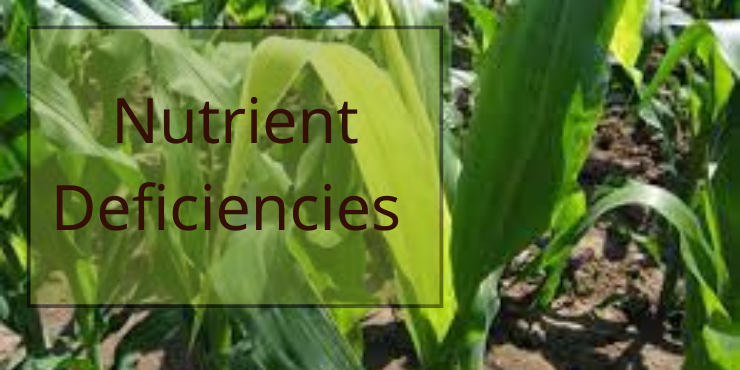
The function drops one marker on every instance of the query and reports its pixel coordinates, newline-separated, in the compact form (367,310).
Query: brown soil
(172,355)
(605,320)
(623,147)
(607,316)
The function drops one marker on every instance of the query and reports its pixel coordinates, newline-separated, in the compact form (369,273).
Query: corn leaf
(346,73)
(722,345)
(296,339)
(118,12)
(350,76)
(719,343)
(626,45)
(726,34)
(699,256)
(728,203)
(422,48)
(62,120)
(513,168)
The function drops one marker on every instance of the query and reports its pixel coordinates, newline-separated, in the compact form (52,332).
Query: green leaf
(12,101)
(297,339)
(485,19)
(422,48)
(12,88)
(536,111)
(274,276)
(19,15)
(713,87)
(725,33)
(346,74)
(725,186)
(365,10)
(627,41)
(718,346)
(386,130)
(10,166)
(159,326)
(61,119)
(275,65)
(700,258)
(190,73)
(46,363)
(466,344)
(722,345)
(118,12)
(513,167)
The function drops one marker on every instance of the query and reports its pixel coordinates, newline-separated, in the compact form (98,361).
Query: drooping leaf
(345,74)
(62,121)
(725,33)
(190,73)
(700,258)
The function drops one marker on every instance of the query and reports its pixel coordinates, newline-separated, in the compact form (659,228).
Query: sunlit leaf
(514,164)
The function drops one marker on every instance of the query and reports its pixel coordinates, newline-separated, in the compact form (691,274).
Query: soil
(607,316)
(606,319)
(172,354)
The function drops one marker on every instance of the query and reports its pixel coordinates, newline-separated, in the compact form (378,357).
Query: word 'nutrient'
(148,133)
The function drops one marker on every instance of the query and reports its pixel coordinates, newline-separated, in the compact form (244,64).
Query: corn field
(543,184)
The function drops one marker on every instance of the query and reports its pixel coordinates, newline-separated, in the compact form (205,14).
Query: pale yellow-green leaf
(626,43)
(394,160)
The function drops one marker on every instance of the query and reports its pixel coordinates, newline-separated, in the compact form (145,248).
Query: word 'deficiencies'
(106,208)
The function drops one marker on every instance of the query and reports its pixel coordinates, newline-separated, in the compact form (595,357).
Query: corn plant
(542,75)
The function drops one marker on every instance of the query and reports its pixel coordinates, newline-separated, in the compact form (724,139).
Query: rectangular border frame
(185,27)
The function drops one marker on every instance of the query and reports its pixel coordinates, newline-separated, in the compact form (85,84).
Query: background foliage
(526,83)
